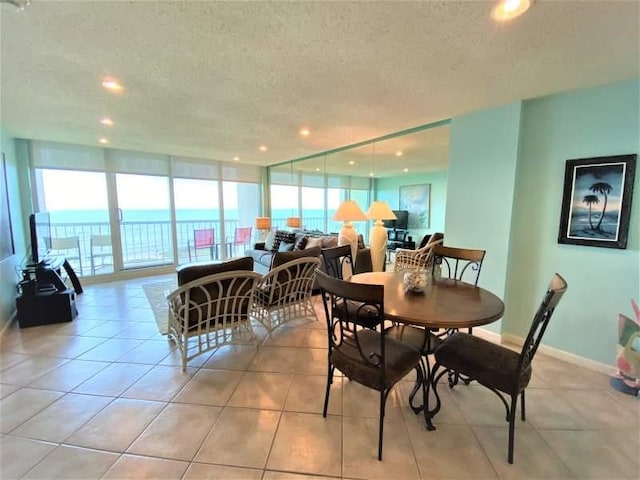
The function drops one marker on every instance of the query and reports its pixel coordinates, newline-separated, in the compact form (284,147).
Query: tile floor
(104,397)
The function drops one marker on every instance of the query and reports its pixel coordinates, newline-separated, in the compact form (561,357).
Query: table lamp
(347,212)
(294,222)
(263,224)
(378,211)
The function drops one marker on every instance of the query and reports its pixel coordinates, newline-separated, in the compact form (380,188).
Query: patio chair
(68,247)
(100,248)
(212,307)
(203,238)
(241,237)
(503,371)
(284,293)
(365,356)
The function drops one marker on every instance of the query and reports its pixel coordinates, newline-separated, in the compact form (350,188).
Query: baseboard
(560,354)
(8,323)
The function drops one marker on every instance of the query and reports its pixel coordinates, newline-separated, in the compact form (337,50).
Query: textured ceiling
(218,79)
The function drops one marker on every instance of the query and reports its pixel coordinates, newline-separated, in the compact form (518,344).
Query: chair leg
(512,421)
(522,412)
(383,401)
(328,390)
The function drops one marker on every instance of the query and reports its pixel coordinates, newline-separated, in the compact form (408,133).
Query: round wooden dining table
(445,303)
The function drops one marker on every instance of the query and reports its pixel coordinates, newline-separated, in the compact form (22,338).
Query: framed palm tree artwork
(596,204)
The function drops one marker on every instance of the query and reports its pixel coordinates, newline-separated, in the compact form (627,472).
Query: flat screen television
(401,222)
(40,230)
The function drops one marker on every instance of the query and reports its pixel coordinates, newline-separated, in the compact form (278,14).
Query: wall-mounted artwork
(596,204)
(7,248)
(416,199)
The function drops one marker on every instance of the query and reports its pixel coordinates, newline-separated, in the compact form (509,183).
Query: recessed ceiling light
(103,140)
(399,153)
(405,170)
(351,162)
(263,148)
(107,121)
(317,169)
(112,84)
(305,132)
(371,174)
(506,10)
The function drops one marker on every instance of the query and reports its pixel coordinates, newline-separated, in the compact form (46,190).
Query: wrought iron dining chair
(365,356)
(338,261)
(203,238)
(458,263)
(503,371)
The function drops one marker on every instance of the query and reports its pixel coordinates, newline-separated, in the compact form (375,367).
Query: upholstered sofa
(292,245)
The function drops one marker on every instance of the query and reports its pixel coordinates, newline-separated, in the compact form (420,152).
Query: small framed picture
(596,203)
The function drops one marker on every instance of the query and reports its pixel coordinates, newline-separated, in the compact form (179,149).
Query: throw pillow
(268,242)
(282,236)
(285,247)
(301,242)
(313,242)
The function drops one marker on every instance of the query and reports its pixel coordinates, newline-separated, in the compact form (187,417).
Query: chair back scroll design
(459,263)
(338,261)
(212,311)
(503,371)
(284,293)
(363,355)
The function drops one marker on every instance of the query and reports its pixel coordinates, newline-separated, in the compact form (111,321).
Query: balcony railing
(149,243)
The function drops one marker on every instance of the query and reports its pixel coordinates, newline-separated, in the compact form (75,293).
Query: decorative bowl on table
(414,281)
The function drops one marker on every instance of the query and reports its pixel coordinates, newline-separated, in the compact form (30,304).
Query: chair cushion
(366,316)
(400,359)
(192,271)
(419,338)
(490,364)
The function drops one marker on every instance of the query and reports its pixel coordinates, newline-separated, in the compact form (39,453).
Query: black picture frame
(596,202)
(7,247)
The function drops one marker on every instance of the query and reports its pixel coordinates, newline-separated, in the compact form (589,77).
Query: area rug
(157,297)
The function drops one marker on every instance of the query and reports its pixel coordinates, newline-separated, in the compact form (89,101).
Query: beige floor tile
(286,337)
(361,401)
(307,392)
(27,371)
(73,463)
(450,451)
(551,372)
(596,408)
(209,387)
(546,408)
(117,425)
(480,406)
(63,417)
(6,390)
(232,357)
(174,358)
(312,361)
(9,359)
(626,441)
(19,455)
(532,456)
(108,329)
(69,375)
(113,380)
(240,437)
(177,432)
(203,471)
(316,339)
(589,455)
(275,359)
(360,450)
(134,467)
(149,352)
(160,383)
(22,405)
(449,410)
(110,350)
(68,346)
(140,331)
(306,443)
(270,475)
(261,390)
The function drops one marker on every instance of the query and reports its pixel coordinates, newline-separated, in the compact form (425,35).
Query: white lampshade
(380,210)
(349,211)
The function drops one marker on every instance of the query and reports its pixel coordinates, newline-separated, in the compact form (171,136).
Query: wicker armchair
(284,294)
(212,311)
(420,259)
